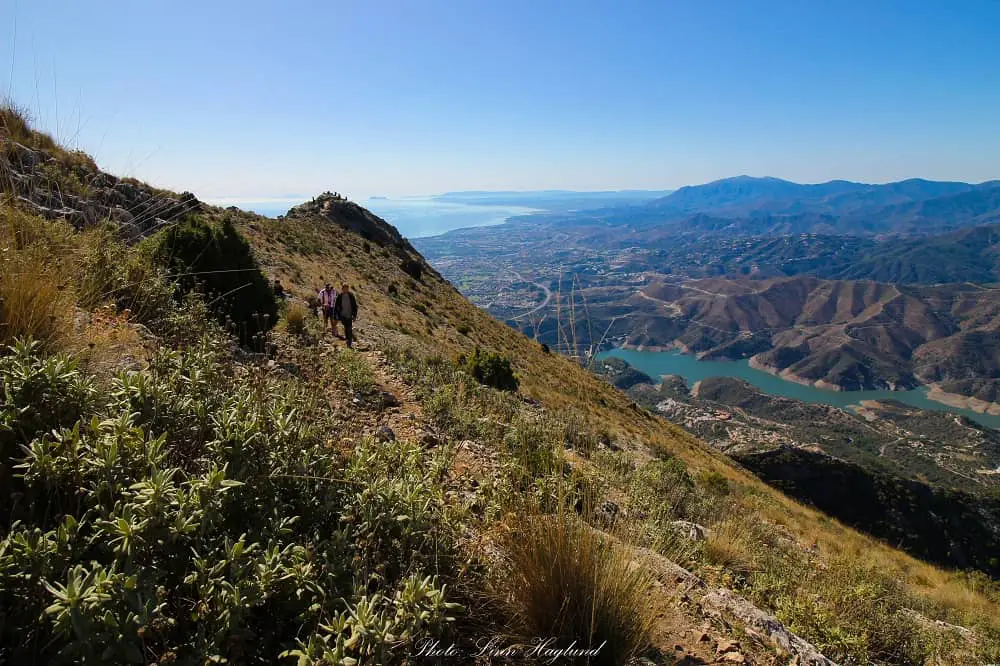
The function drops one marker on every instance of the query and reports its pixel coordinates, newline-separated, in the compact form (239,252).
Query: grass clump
(129,279)
(15,122)
(36,300)
(351,370)
(569,581)
(295,318)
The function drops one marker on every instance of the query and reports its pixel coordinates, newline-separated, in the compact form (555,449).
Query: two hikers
(342,307)
(345,309)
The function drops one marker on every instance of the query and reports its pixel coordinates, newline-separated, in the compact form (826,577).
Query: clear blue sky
(252,99)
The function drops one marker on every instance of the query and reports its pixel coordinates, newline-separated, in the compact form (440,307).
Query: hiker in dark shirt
(345,310)
(279,291)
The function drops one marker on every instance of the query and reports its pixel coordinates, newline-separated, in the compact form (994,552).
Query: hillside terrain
(190,478)
(926,481)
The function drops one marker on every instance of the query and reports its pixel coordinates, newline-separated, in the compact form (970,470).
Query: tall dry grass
(36,298)
(295,318)
(566,580)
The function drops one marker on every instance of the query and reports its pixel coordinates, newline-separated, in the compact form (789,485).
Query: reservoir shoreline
(671,361)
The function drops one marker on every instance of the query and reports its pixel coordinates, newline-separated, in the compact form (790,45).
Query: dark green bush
(217,260)
(413,268)
(490,369)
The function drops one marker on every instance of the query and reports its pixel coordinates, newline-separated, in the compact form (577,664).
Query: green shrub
(218,261)
(396,515)
(192,518)
(490,369)
(715,483)
(39,395)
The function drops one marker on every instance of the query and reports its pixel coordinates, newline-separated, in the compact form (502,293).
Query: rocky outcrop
(731,608)
(349,215)
(729,605)
(71,187)
(333,208)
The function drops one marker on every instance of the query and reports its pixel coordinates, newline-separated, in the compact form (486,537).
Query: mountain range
(745,205)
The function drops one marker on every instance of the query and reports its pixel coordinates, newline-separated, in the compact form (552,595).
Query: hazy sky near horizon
(250,99)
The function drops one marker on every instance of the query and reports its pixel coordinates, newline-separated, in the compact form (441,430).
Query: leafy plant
(491,369)
(187,517)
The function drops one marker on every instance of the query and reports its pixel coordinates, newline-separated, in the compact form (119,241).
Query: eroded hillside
(836,334)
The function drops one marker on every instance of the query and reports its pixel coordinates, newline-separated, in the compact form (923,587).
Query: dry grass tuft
(35,300)
(569,581)
(15,122)
(295,318)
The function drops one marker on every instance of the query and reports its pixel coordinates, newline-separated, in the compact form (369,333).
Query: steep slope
(366,480)
(451,325)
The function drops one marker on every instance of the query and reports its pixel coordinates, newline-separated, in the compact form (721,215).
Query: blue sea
(420,217)
(415,217)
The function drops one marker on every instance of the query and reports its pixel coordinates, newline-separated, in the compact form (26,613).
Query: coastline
(959,401)
(934,391)
(791,376)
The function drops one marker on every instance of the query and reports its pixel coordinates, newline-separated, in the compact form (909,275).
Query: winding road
(548,296)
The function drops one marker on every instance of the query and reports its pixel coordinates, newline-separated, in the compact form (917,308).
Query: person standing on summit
(346,310)
(327,299)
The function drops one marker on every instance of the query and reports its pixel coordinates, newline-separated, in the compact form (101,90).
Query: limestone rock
(690,531)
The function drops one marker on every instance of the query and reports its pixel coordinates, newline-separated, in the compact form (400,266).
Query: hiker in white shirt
(327,300)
